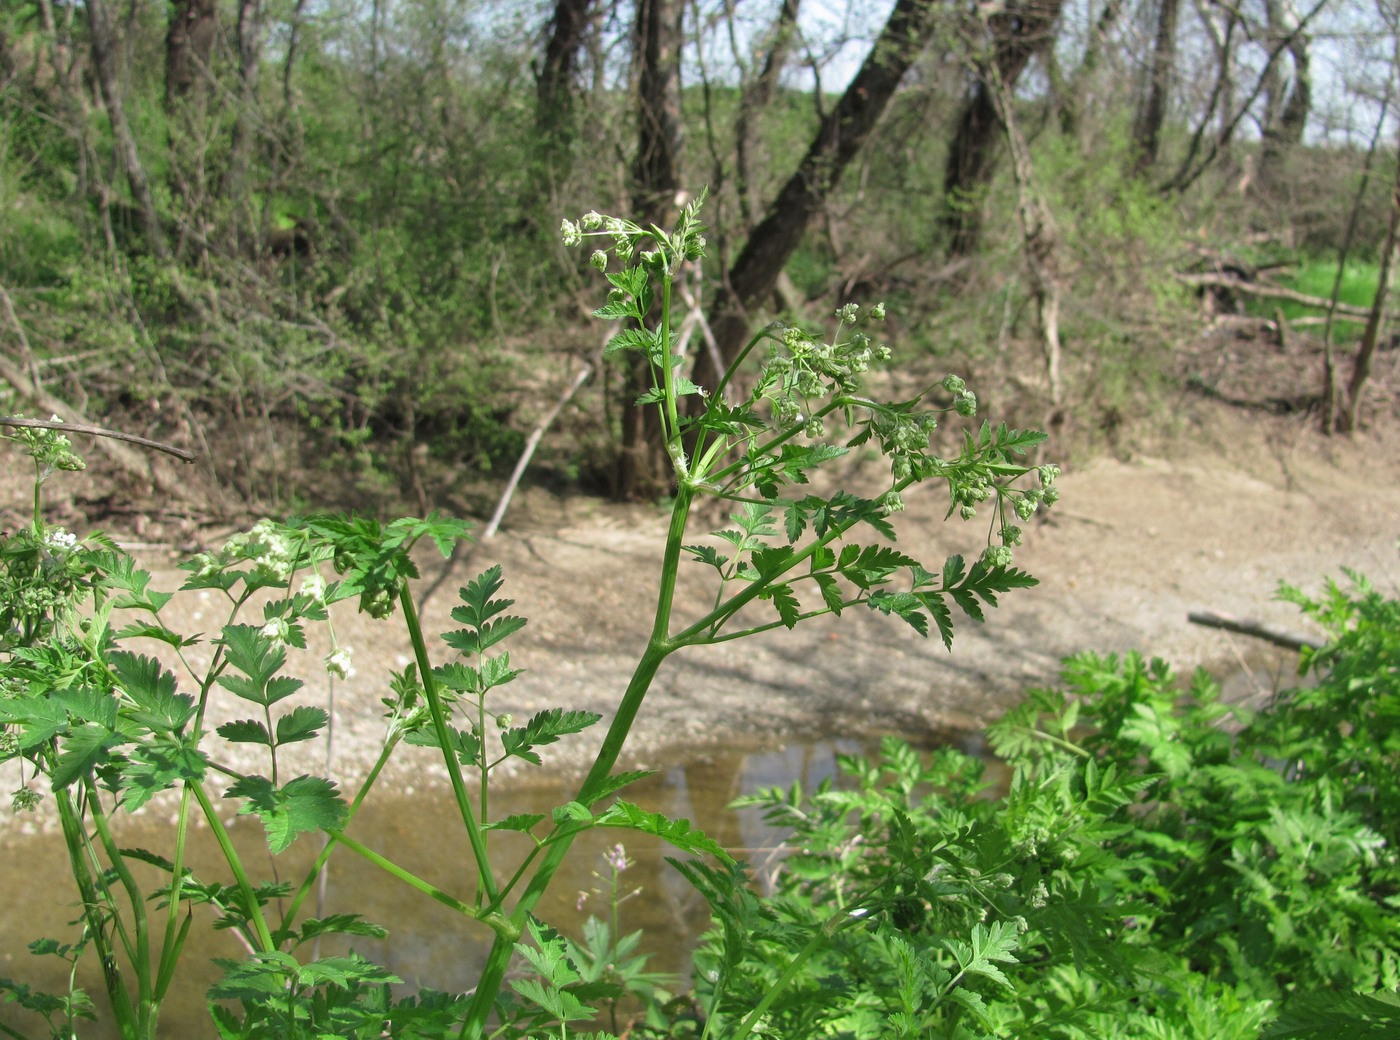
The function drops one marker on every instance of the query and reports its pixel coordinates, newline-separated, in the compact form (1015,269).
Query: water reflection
(427,945)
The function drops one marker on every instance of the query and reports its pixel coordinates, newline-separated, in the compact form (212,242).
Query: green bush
(1161,865)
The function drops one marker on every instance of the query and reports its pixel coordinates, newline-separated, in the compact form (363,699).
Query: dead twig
(1257,629)
(99,431)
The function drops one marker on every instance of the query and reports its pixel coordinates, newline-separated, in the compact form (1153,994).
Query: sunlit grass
(1315,276)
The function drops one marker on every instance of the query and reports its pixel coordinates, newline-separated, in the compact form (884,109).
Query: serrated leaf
(245,731)
(339,924)
(643,340)
(561,1004)
(151,690)
(344,971)
(630,280)
(572,812)
(707,554)
(545,727)
(679,833)
(522,822)
(904,605)
(280,688)
(90,705)
(40,719)
(465,745)
(251,652)
(789,610)
(83,749)
(308,803)
(157,766)
(155,630)
(618,309)
(302,723)
(794,521)
(770,562)
(617,782)
(831,593)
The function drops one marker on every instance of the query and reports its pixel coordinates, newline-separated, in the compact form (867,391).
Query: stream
(427,945)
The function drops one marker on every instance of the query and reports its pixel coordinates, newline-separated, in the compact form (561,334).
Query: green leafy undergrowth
(1161,864)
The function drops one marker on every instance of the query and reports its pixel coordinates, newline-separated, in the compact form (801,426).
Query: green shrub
(1161,865)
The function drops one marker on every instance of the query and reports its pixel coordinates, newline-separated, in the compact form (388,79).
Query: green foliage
(111,728)
(1161,864)
(1316,276)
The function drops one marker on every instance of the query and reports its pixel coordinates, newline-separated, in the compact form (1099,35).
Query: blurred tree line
(302,233)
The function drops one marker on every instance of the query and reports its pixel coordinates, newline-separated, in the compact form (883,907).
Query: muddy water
(427,945)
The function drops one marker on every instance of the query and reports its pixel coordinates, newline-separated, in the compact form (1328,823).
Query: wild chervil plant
(107,728)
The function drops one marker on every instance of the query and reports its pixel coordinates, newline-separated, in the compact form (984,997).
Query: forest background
(320,237)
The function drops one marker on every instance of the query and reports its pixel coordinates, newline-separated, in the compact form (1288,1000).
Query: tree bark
(1361,366)
(1286,115)
(104,60)
(1039,239)
(554,85)
(1071,91)
(840,137)
(1147,127)
(189,44)
(241,145)
(1195,164)
(1017,32)
(643,469)
(756,95)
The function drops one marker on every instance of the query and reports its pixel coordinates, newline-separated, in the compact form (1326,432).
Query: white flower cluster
(265,545)
(338,663)
(58,540)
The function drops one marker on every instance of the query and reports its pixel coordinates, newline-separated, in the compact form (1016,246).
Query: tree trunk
(1286,115)
(241,145)
(756,95)
(1147,127)
(1017,32)
(104,60)
(643,468)
(554,86)
(841,135)
(1071,92)
(1194,164)
(1361,366)
(189,43)
(1039,240)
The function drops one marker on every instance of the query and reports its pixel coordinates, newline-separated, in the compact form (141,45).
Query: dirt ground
(1213,517)
(1213,520)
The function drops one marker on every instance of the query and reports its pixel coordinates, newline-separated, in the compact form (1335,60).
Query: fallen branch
(1257,629)
(98,431)
(530,445)
(1272,292)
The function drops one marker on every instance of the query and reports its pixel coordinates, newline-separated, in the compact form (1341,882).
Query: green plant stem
(75,838)
(433,697)
(139,952)
(658,648)
(289,918)
(739,467)
(759,337)
(675,446)
(408,878)
(775,990)
(256,918)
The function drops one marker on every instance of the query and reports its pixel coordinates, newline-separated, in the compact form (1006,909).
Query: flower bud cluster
(59,541)
(49,449)
(628,238)
(266,546)
(802,369)
(338,663)
(964,400)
